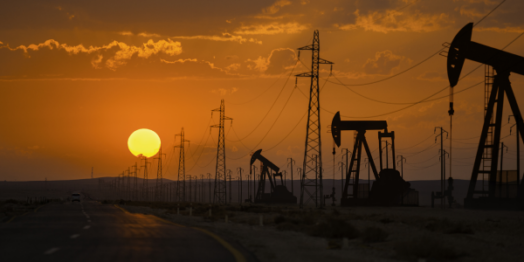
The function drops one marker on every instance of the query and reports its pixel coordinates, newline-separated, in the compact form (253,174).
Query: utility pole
(346,154)
(92,168)
(230,185)
(442,163)
(158,191)
(144,184)
(291,162)
(209,185)
(128,187)
(401,161)
(220,196)
(254,181)
(181,185)
(312,188)
(342,169)
(442,159)
(241,185)
(190,195)
(135,191)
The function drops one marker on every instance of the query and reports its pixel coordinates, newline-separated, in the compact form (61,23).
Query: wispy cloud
(225,37)
(179,61)
(271,29)
(397,21)
(126,33)
(124,51)
(274,8)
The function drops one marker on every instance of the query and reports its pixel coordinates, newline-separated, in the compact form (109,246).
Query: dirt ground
(358,234)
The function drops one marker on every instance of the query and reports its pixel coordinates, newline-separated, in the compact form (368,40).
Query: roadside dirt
(357,234)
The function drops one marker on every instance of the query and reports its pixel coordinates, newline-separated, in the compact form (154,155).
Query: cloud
(272,29)
(384,63)
(397,21)
(97,61)
(124,51)
(224,91)
(179,61)
(144,34)
(280,60)
(226,37)
(510,29)
(433,76)
(126,33)
(273,9)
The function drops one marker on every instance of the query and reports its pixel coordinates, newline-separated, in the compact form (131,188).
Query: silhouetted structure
(504,63)
(220,194)
(313,150)
(159,193)
(279,194)
(181,179)
(389,187)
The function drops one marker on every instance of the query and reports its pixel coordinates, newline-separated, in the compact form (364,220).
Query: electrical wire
(432,135)
(274,102)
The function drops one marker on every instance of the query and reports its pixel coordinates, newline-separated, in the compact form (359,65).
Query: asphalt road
(90,231)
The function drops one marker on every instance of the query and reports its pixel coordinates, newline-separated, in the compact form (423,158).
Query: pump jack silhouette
(279,193)
(504,63)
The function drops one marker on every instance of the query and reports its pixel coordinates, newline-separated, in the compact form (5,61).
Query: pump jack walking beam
(361,127)
(265,171)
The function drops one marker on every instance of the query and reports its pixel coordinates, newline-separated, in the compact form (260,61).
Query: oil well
(490,187)
(278,194)
(389,188)
(504,188)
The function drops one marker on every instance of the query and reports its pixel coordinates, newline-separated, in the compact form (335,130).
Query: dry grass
(425,247)
(374,235)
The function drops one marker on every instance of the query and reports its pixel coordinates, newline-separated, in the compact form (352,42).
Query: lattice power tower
(312,187)
(159,194)
(181,180)
(220,195)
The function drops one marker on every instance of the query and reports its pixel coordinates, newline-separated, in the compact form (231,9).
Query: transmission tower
(158,189)
(220,195)
(144,184)
(311,186)
(135,184)
(181,180)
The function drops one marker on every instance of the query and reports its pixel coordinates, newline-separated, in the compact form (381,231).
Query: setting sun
(144,142)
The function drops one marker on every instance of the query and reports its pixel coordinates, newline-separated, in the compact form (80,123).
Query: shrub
(425,247)
(333,228)
(374,234)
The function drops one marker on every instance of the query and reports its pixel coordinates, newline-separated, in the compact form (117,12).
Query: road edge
(239,257)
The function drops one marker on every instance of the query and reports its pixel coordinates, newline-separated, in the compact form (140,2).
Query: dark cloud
(384,63)
(280,60)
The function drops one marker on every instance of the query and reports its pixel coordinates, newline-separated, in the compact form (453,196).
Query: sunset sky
(78,77)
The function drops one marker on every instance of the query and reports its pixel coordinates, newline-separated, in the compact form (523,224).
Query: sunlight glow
(144,142)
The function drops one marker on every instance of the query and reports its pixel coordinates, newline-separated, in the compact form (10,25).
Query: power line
(417,143)
(478,22)
(274,102)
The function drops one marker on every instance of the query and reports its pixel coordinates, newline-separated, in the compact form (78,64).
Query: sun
(144,142)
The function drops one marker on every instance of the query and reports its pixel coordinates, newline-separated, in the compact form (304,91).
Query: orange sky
(77,78)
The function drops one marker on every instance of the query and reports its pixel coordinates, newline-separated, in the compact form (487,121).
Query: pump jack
(389,187)
(504,63)
(279,193)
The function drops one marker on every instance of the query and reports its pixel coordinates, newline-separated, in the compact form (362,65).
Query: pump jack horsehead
(500,194)
(279,193)
(389,187)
